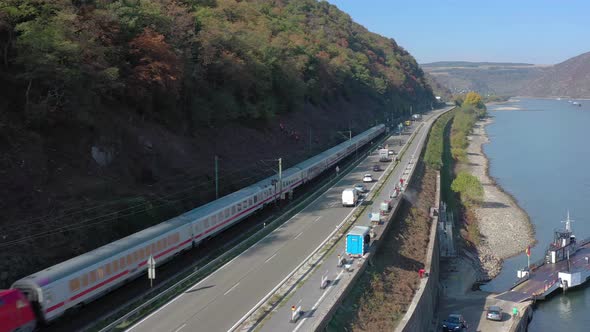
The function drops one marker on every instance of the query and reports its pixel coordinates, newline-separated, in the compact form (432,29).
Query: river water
(540,154)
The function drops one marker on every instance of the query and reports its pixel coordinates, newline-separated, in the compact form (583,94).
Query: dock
(566,265)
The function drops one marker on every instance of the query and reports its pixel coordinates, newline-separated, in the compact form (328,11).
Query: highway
(222,299)
(315,302)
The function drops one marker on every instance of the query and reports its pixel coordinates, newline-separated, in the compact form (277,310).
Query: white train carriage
(214,217)
(84,278)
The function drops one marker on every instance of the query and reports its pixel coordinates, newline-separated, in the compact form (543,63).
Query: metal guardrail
(348,223)
(144,305)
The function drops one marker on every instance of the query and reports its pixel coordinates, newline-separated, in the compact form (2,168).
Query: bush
(469,187)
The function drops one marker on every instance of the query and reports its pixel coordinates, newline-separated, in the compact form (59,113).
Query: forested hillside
(129,101)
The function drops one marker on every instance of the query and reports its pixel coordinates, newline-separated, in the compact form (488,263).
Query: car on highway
(360,187)
(455,322)
(494,313)
(391,152)
(376,168)
(367,178)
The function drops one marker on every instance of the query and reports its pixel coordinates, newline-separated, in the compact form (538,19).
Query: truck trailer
(358,241)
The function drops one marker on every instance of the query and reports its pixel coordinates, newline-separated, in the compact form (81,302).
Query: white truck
(384,155)
(350,197)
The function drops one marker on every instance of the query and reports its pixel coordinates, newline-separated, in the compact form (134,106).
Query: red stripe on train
(113,278)
(241,213)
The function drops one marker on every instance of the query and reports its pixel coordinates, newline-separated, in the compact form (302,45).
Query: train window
(220,216)
(176,237)
(141,254)
(226,212)
(122,262)
(233,210)
(255,199)
(92,276)
(154,249)
(147,251)
(108,269)
(214,219)
(206,223)
(250,202)
(115,266)
(239,207)
(165,245)
(100,273)
(159,245)
(136,256)
(84,280)
(129,260)
(74,284)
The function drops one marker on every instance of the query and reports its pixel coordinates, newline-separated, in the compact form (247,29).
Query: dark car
(376,168)
(454,322)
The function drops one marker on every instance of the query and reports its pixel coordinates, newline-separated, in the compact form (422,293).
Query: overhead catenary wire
(20,224)
(117,214)
(83,224)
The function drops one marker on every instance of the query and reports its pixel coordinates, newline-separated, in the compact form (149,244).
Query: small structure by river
(565,265)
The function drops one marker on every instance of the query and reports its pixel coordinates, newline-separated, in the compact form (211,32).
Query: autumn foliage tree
(208,60)
(155,65)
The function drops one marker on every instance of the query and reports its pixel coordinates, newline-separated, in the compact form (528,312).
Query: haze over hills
(494,78)
(570,78)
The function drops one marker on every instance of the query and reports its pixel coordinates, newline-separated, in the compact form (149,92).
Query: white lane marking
(318,218)
(231,289)
(315,306)
(271,257)
(252,247)
(265,297)
(239,256)
(162,307)
(298,235)
(180,328)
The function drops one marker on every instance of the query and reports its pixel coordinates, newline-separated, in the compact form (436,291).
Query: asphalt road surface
(219,301)
(316,302)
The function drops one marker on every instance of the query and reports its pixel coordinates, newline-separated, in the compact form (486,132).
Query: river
(540,153)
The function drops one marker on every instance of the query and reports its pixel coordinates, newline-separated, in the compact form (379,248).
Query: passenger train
(84,278)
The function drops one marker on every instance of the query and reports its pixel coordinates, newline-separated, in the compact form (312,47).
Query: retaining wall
(421,311)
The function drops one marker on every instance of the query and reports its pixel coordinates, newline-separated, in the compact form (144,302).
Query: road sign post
(151,270)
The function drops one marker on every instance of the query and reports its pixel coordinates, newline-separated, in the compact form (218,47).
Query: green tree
(469,187)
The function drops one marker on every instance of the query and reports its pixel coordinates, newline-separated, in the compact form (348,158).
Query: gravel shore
(505,228)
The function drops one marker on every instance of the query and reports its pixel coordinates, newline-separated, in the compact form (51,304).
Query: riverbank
(505,228)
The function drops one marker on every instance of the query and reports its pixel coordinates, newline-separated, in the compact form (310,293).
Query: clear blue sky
(532,31)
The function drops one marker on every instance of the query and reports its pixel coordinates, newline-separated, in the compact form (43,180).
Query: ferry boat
(565,265)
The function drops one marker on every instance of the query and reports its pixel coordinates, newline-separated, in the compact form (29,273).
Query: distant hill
(570,78)
(438,88)
(494,78)
(474,64)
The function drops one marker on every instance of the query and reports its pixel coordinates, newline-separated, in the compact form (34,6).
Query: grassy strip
(468,187)
(434,149)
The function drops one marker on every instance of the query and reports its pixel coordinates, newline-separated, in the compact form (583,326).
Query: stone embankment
(505,228)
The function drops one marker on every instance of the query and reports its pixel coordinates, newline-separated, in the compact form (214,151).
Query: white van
(349,197)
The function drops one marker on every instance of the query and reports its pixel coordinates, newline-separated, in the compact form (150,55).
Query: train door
(35,297)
